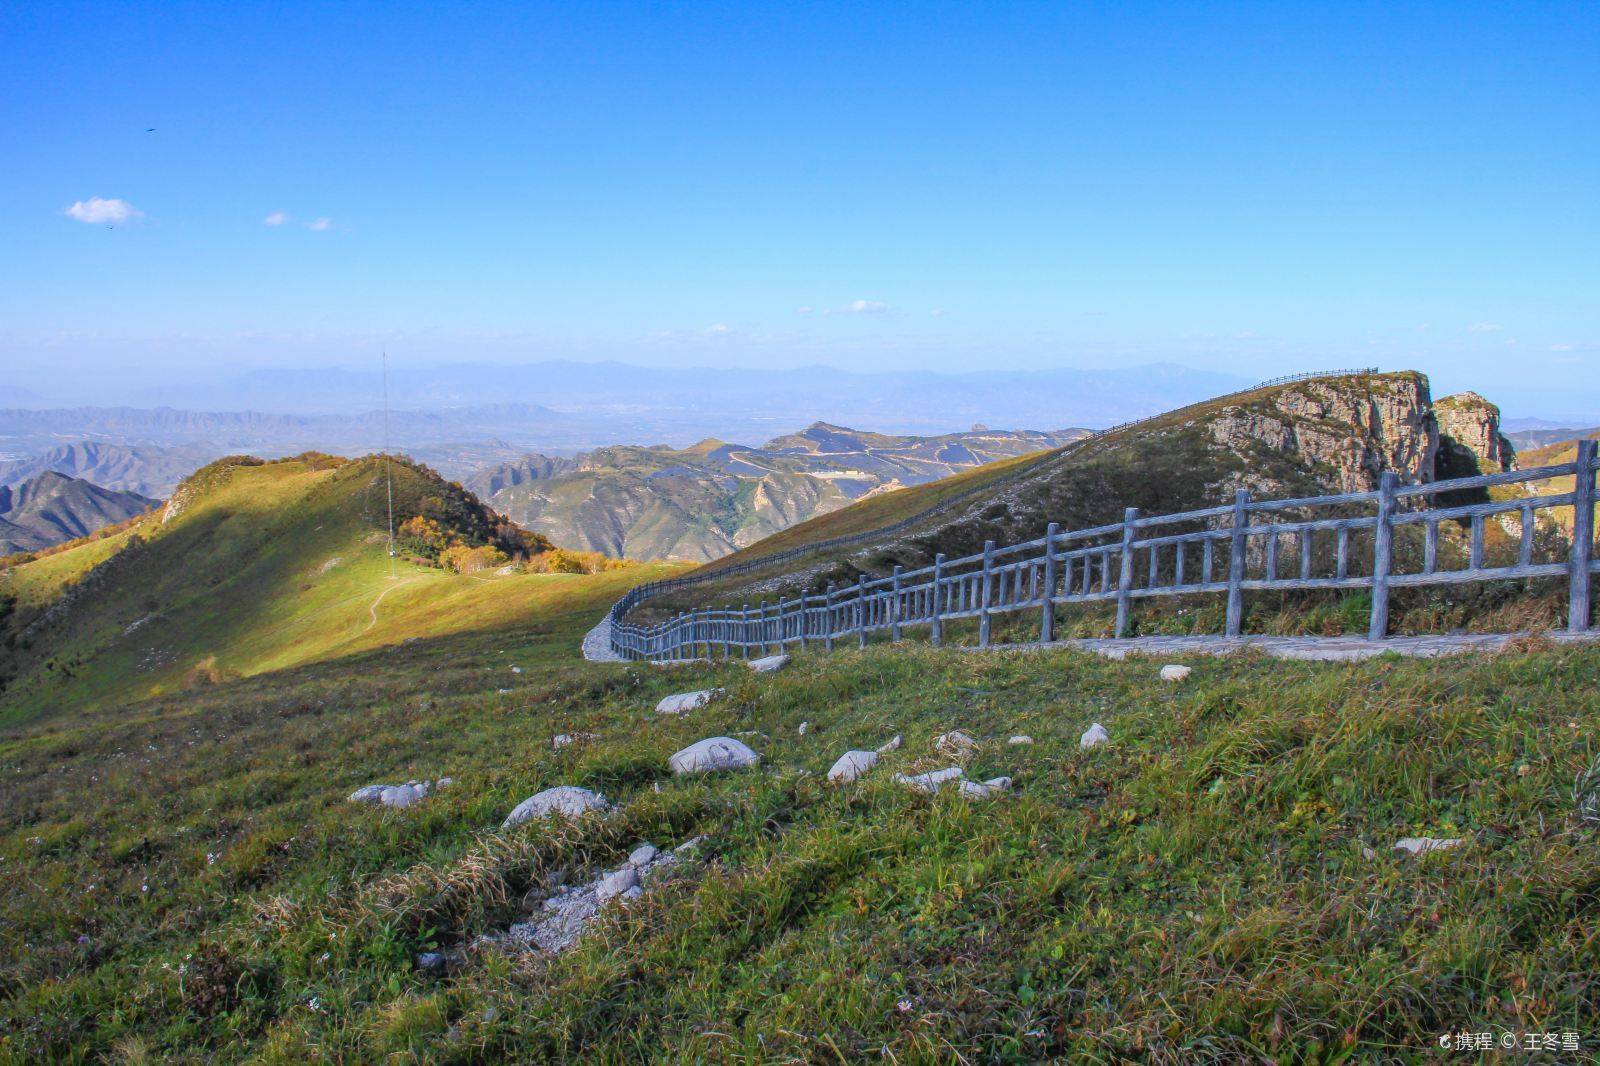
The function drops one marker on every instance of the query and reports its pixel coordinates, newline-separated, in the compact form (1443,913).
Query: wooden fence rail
(1246,546)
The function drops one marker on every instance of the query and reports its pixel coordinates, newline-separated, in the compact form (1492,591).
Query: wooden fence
(1378,541)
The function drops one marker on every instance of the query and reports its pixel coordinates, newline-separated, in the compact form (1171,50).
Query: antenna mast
(388,468)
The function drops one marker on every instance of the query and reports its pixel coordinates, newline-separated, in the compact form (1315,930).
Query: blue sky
(1259,188)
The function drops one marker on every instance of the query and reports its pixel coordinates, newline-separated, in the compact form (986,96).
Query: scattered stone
(369,793)
(985,789)
(616,883)
(568,800)
(444,782)
(1423,845)
(516,669)
(642,855)
(561,740)
(1020,738)
(684,702)
(955,742)
(689,846)
(401,796)
(804,728)
(893,744)
(770,664)
(713,753)
(852,764)
(932,781)
(1175,673)
(437,962)
(569,910)
(1093,736)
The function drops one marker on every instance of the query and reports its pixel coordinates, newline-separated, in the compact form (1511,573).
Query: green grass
(268,566)
(1195,890)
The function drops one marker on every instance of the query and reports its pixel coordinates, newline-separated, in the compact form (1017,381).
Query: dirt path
(372,608)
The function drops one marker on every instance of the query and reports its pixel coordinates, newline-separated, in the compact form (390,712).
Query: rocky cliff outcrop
(1470,441)
(1354,427)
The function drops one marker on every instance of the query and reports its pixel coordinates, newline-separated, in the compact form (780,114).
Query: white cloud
(804,309)
(277,218)
(1563,347)
(95,209)
(319,225)
(1485,327)
(718,327)
(938,312)
(1245,335)
(865,307)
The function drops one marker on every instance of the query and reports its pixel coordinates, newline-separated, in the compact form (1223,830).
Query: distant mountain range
(565,407)
(147,470)
(713,498)
(1531,439)
(53,508)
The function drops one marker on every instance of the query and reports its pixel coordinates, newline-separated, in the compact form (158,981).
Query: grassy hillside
(262,566)
(187,881)
(1185,459)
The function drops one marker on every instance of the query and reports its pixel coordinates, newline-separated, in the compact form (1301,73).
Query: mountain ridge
(52,508)
(703,501)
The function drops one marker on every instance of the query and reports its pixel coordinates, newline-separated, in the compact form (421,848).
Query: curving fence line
(1066,571)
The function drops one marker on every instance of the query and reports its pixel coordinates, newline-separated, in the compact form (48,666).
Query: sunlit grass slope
(264,566)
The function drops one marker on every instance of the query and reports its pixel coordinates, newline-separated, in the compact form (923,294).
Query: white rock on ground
(984,789)
(565,914)
(369,793)
(852,764)
(1423,845)
(769,664)
(642,855)
(1093,736)
(616,883)
(401,796)
(568,800)
(931,781)
(713,753)
(687,701)
(1020,738)
(805,727)
(955,742)
(893,744)
(1174,672)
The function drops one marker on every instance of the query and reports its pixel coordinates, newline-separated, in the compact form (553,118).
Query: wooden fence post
(936,632)
(1125,576)
(1047,615)
(827,618)
(761,627)
(726,625)
(894,606)
(988,587)
(1382,555)
(1582,538)
(744,630)
(805,606)
(861,611)
(1236,561)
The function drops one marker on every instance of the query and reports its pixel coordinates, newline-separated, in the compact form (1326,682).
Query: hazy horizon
(1254,191)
